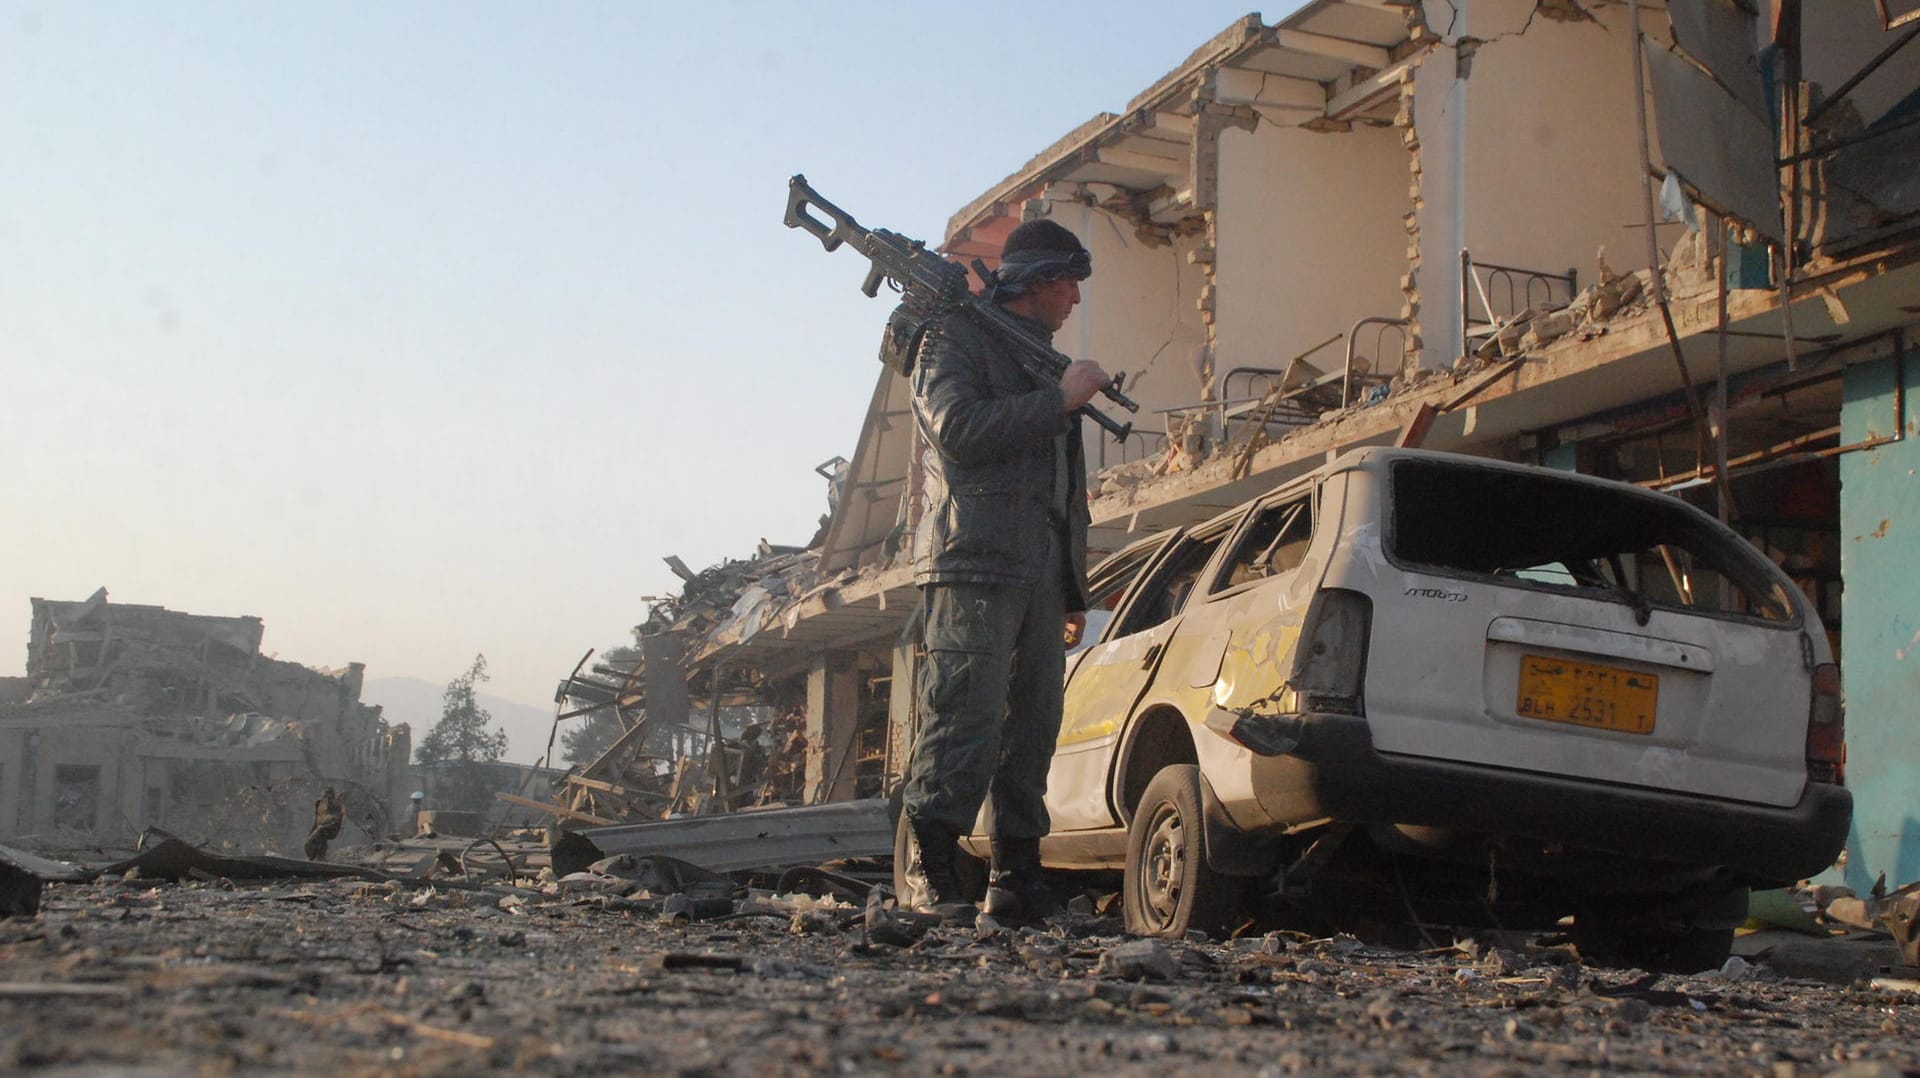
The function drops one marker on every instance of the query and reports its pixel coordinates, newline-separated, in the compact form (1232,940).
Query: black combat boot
(1015,892)
(939,847)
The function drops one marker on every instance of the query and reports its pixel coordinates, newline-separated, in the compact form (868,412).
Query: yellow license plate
(1587,694)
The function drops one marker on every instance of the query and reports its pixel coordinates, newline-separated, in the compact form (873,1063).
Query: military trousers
(989,689)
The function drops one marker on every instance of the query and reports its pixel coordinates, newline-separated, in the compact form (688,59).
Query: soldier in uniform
(1001,561)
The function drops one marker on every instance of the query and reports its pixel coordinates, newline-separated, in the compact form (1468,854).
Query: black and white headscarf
(1022,270)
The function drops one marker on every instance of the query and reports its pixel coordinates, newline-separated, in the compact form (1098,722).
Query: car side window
(1163,597)
(1110,583)
(1275,543)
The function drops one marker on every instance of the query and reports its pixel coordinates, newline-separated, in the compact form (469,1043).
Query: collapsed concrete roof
(1330,62)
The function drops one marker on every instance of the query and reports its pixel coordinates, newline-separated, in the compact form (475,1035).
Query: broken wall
(64,775)
(1137,316)
(1310,241)
(1528,153)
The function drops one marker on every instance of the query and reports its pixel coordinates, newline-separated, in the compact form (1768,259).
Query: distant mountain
(416,702)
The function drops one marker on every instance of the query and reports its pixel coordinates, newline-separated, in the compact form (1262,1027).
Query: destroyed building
(133,717)
(1673,244)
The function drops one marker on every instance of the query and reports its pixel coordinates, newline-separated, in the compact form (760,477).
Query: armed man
(1001,561)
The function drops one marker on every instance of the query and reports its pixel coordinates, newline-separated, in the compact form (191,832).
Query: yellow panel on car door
(1109,680)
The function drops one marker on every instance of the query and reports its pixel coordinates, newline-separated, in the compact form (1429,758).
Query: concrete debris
(732,592)
(1546,328)
(890,927)
(1138,960)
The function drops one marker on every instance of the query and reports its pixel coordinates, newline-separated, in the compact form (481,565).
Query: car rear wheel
(1683,951)
(1663,948)
(1169,887)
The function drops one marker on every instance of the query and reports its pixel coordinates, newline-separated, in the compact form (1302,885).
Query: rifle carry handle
(801,198)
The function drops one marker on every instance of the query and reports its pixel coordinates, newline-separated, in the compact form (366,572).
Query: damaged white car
(1437,689)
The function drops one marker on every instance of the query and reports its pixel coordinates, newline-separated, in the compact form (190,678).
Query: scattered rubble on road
(594,971)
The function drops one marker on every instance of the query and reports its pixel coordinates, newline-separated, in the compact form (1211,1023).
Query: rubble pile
(658,769)
(649,967)
(732,592)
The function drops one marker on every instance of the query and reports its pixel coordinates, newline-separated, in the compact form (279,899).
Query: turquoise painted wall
(1880,617)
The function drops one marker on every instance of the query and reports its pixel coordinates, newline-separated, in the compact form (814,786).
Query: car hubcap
(1165,855)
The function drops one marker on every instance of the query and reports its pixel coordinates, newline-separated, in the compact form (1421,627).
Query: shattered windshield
(1540,531)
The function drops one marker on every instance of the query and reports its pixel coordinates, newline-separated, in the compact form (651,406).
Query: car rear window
(1543,531)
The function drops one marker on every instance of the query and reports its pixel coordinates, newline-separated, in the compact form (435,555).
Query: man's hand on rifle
(1081,381)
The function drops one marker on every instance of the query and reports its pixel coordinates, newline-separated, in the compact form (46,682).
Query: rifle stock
(907,262)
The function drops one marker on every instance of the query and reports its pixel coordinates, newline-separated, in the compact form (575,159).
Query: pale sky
(426,329)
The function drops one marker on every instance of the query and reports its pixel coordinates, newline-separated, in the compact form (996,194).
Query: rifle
(907,263)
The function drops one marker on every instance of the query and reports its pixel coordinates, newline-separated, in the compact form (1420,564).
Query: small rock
(1547,327)
(1138,960)
(887,927)
(1500,962)
(1736,968)
(1081,905)
(676,909)
(1159,1043)
(1570,977)
(1632,1011)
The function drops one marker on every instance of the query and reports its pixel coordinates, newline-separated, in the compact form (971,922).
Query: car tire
(1664,948)
(1680,951)
(906,854)
(1169,888)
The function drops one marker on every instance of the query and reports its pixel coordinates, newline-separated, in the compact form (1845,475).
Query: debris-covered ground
(349,976)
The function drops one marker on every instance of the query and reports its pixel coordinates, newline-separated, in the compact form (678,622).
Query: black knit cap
(1041,235)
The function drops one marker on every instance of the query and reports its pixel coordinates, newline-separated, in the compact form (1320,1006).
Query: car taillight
(1331,664)
(1827,728)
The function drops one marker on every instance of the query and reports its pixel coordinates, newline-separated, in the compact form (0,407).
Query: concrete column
(1880,620)
(833,713)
